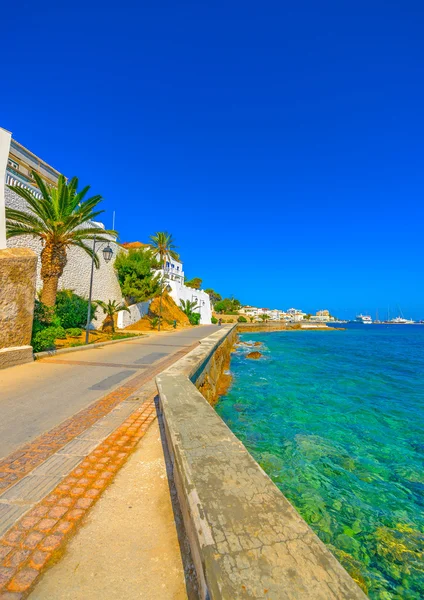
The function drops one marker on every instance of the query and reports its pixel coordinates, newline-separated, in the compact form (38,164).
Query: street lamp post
(107,255)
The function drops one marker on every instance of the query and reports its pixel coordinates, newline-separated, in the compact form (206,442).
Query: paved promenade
(69,423)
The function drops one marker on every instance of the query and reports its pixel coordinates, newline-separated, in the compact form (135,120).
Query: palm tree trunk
(53,261)
(49,291)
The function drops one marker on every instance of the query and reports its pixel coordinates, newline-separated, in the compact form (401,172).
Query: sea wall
(246,539)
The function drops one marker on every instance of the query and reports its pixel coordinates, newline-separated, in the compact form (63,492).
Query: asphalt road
(37,396)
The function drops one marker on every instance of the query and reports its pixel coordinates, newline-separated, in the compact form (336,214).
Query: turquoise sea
(336,419)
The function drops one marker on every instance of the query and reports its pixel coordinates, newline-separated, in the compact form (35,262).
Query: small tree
(110,309)
(213,296)
(264,317)
(229,306)
(195,283)
(252,319)
(242,319)
(136,274)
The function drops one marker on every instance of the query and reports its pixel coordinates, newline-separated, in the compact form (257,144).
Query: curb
(47,353)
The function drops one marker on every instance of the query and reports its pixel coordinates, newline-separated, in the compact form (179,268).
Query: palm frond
(24,218)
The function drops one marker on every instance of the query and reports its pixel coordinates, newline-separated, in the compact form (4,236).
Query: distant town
(291,315)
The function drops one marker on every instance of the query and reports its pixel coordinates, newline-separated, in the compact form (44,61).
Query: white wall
(181,292)
(5,138)
(137,312)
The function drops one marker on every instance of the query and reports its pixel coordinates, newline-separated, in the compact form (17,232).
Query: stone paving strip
(18,464)
(47,522)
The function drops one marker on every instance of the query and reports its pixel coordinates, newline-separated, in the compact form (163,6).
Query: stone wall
(17,292)
(246,539)
(212,379)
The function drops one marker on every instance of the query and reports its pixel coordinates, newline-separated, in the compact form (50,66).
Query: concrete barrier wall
(137,312)
(246,539)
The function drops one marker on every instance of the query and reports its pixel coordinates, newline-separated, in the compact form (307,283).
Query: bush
(194,318)
(60,332)
(71,309)
(44,317)
(214,320)
(44,339)
(74,331)
(242,319)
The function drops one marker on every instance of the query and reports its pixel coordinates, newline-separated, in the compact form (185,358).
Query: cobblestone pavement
(39,535)
(48,485)
(18,464)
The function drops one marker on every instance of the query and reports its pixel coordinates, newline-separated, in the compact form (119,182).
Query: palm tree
(110,309)
(60,218)
(163,243)
(188,307)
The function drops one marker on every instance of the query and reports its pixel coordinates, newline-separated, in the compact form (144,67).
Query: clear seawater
(336,419)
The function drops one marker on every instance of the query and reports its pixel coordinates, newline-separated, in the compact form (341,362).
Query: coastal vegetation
(195,283)
(137,274)
(214,296)
(189,307)
(53,323)
(228,306)
(61,218)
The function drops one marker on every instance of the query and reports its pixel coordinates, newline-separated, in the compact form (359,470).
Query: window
(13,164)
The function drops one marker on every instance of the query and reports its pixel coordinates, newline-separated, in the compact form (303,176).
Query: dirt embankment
(170,313)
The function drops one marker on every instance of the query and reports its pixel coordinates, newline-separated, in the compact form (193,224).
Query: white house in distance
(174,274)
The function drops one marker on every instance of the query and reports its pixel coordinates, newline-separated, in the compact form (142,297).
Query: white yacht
(365,319)
(401,321)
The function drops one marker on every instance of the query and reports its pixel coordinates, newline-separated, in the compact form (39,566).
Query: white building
(76,275)
(174,274)
(295,314)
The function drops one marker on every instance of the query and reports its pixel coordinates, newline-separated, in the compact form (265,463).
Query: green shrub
(60,332)
(71,309)
(44,317)
(194,318)
(74,331)
(154,322)
(242,319)
(137,276)
(44,339)
(214,320)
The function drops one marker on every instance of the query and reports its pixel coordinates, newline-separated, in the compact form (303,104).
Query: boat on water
(365,319)
(400,321)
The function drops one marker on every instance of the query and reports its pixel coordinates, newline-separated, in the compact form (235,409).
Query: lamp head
(107,253)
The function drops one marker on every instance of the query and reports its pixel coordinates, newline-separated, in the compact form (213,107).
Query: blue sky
(281,143)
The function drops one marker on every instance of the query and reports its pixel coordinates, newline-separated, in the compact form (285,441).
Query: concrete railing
(246,539)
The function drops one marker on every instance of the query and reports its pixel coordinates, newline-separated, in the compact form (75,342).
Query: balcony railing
(13,179)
